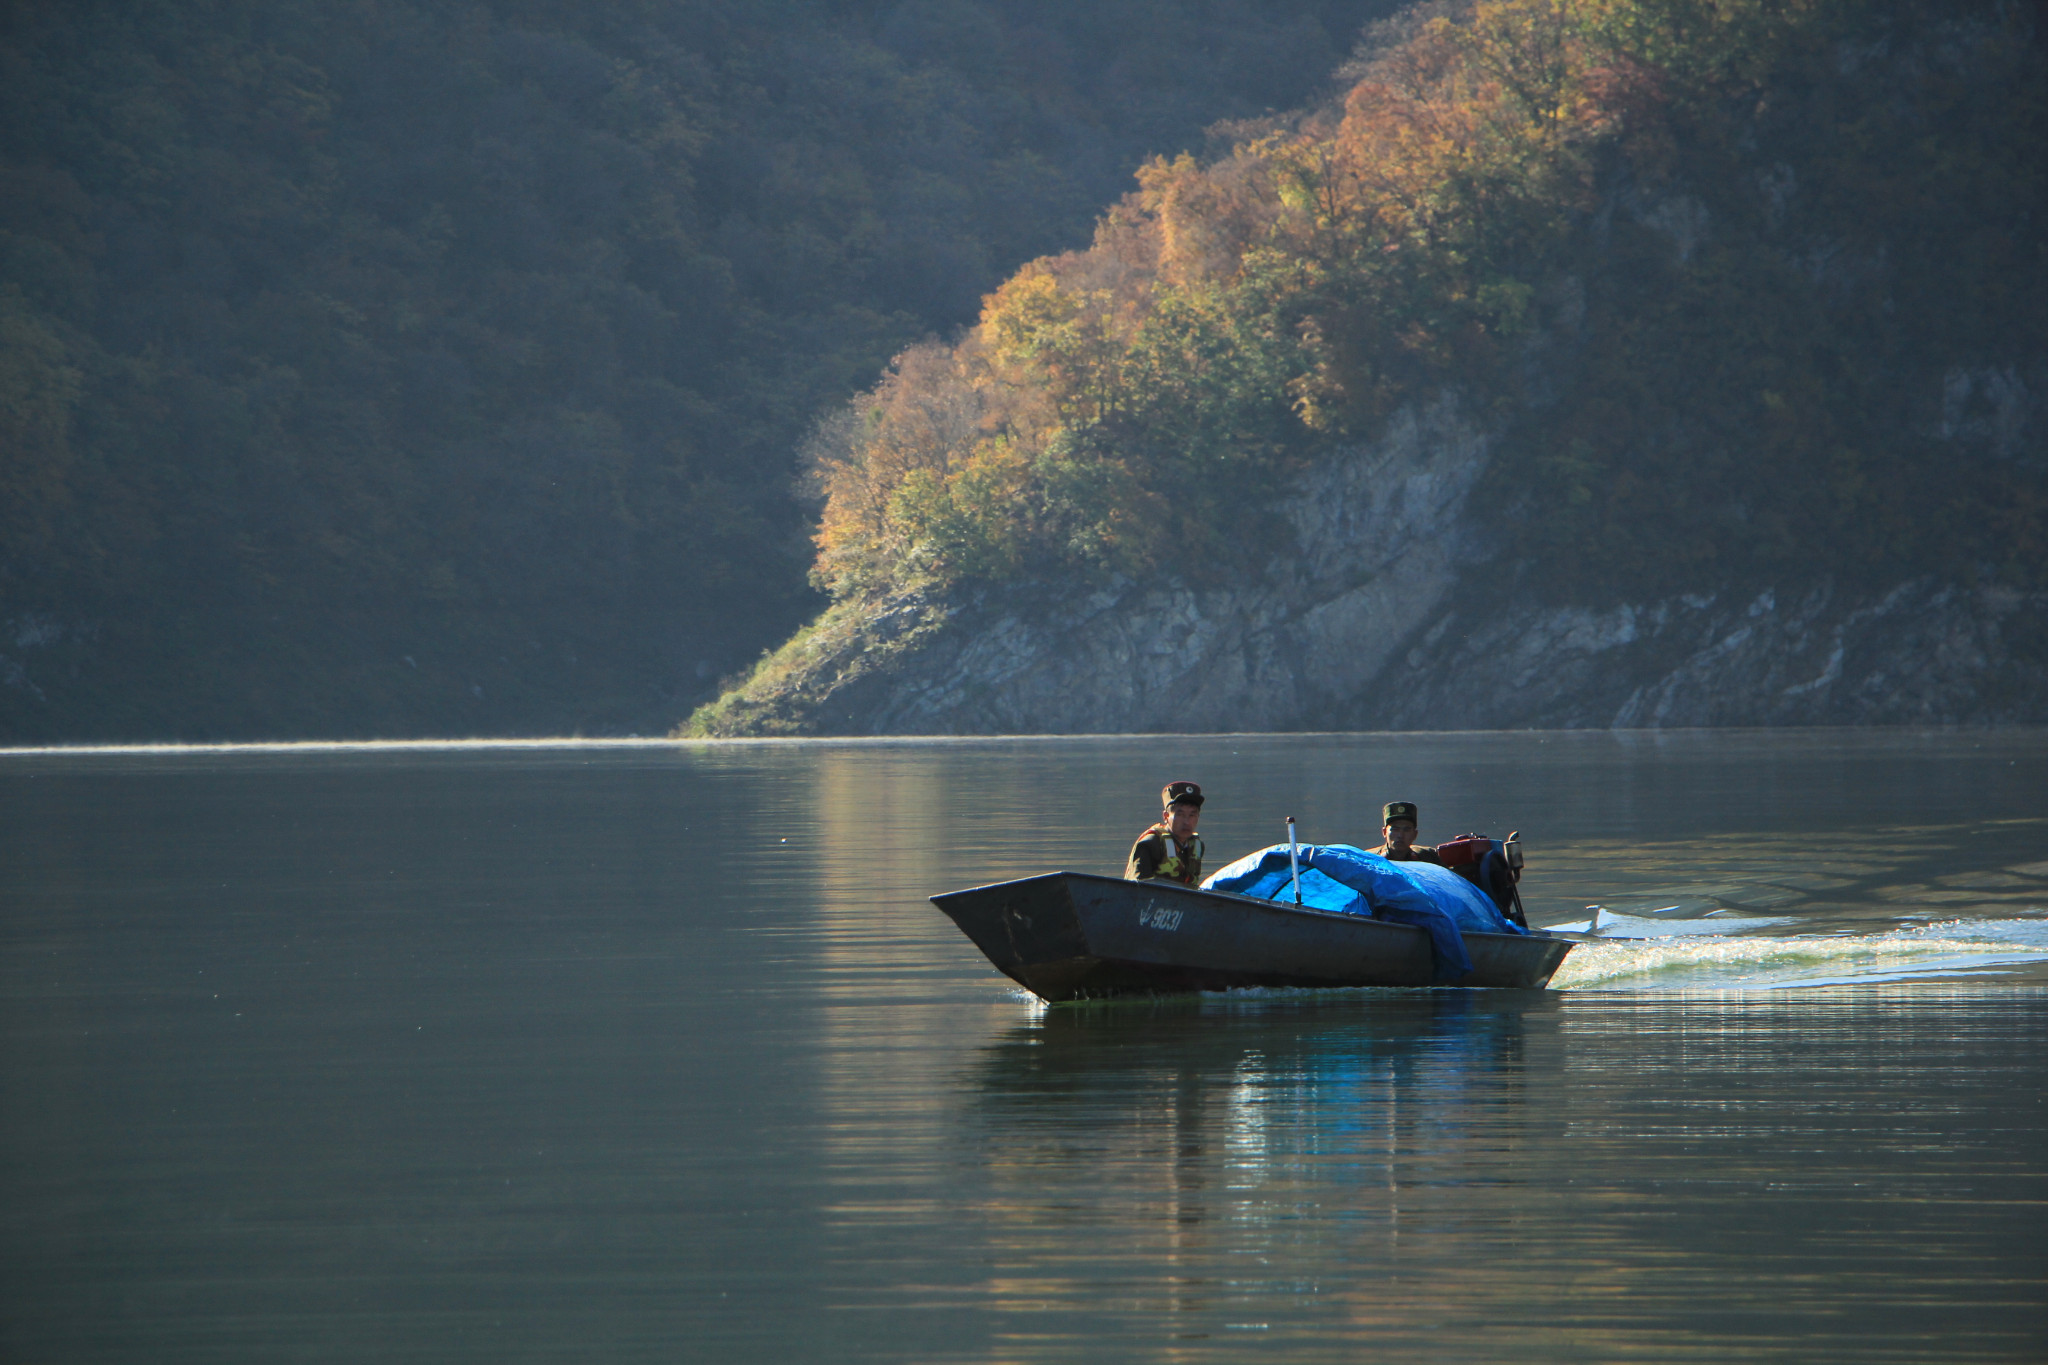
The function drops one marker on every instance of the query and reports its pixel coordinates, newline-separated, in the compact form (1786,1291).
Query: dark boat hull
(1077,936)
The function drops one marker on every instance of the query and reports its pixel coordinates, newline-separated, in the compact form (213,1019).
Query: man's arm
(1146,855)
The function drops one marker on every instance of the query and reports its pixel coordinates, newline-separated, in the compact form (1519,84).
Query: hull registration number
(1159,917)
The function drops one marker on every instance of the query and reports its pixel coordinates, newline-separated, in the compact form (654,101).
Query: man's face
(1400,833)
(1182,818)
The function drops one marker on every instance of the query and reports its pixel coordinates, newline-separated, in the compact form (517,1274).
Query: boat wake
(1686,958)
(1617,925)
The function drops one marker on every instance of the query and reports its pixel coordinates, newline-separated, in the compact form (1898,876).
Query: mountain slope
(389,367)
(1735,304)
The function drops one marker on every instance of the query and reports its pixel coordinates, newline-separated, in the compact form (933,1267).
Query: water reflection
(1224,1124)
(663,1055)
(1425,1174)
(1286,1049)
(1189,1168)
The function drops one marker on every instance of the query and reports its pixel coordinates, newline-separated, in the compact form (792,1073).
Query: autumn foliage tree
(1578,190)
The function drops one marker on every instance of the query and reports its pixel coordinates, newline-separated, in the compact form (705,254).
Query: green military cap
(1400,810)
(1180,794)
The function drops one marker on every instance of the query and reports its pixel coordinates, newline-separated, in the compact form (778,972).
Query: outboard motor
(1492,865)
(1464,851)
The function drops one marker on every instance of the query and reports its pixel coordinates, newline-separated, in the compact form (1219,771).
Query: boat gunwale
(1315,911)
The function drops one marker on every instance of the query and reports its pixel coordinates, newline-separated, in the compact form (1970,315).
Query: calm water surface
(659,1053)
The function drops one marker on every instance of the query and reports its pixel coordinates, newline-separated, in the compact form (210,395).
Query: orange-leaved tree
(1136,405)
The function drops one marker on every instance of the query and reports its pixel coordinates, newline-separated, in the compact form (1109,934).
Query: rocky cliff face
(1380,618)
(1923,653)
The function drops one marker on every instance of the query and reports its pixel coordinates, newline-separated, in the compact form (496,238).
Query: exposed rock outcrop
(1372,623)
(1922,653)
(1378,531)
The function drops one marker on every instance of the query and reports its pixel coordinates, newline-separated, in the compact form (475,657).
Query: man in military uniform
(1398,834)
(1170,850)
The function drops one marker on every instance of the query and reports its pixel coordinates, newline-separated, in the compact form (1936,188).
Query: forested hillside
(1740,293)
(390,367)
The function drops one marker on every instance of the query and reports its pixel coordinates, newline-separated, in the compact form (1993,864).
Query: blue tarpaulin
(1349,880)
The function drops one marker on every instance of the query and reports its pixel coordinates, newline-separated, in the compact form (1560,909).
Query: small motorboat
(1080,936)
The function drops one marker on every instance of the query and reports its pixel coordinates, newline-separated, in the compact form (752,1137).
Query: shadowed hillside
(392,367)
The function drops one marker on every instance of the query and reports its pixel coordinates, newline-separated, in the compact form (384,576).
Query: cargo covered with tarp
(1350,881)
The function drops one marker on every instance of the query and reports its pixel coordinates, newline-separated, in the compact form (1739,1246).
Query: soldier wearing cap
(1170,850)
(1398,834)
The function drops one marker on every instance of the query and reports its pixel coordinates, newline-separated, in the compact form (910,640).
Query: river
(638,1052)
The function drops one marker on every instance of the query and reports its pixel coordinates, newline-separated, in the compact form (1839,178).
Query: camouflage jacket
(1156,855)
